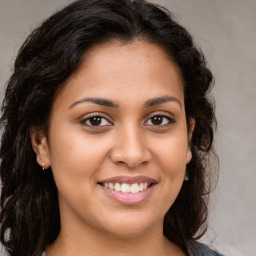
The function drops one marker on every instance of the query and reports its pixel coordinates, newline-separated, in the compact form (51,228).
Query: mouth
(128,190)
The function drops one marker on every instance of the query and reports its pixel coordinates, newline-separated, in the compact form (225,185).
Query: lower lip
(129,198)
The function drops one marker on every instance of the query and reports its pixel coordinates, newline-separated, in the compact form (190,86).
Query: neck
(78,240)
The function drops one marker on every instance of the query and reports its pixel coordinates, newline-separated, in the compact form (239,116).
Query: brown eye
(96,121)
(159,120)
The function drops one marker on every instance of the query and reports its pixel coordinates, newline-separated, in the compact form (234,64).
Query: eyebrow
(160,100)
(108,103)
(98,101)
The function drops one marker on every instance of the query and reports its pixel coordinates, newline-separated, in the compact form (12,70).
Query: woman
(107,132)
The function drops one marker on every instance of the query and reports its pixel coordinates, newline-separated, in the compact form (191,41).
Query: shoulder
(198,249)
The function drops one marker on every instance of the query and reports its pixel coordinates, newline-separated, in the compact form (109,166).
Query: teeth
(111,186)
(127,188)
(135,188)
(118,187)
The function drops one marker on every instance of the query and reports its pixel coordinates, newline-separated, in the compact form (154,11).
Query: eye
(96,121)
(159,120)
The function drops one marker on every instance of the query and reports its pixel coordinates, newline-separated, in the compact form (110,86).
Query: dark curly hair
(50,55)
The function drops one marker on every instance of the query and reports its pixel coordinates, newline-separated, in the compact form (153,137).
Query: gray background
(226,31)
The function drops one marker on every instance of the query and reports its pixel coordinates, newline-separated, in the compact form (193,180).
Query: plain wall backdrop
(226,31)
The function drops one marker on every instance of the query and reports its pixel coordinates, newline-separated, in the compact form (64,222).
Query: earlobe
(189,155)
(40,147)
(192,124)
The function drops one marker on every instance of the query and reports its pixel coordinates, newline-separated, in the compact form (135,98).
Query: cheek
(172,161)
(75,158)
(173,155)
(173,164)
(75,163)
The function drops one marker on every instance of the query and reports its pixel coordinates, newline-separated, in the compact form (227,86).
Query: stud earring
(186,178)
(43,166)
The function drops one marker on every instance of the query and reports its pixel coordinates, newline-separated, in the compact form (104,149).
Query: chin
(131,226)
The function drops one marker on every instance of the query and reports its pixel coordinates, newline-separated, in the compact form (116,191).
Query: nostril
(129,160)
(129,152)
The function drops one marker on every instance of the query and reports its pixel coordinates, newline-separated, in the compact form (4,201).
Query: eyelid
(164,114)
(96,114)
(108,118)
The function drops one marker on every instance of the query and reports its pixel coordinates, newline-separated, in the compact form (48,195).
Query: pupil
(96,120)
(157,120)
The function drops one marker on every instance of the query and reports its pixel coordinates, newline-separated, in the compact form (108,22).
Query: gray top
(194,249)
(197,249)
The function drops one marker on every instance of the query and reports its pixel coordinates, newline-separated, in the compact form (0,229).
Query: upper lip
(129,179)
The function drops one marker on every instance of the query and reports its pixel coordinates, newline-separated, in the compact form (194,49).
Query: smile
(128,190)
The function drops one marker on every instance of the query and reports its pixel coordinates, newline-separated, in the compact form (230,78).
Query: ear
(192,123)
(40,147)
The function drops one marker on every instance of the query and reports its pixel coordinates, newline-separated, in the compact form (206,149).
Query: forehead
(122,70)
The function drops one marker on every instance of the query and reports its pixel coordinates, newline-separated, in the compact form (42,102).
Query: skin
(127,142)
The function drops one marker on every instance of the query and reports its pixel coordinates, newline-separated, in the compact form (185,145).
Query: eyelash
(83,122)
(169,119)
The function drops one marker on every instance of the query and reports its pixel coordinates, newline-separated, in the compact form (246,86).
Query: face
(118,140)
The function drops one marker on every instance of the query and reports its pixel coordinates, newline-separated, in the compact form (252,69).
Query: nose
(130,148)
